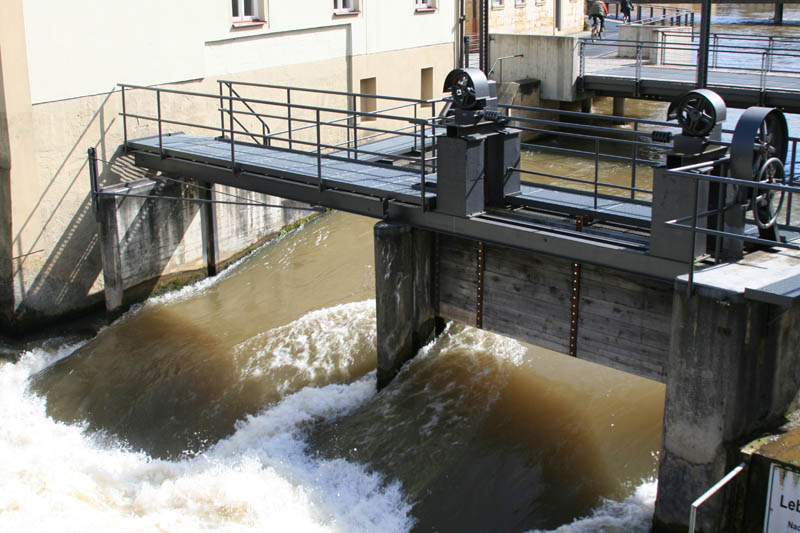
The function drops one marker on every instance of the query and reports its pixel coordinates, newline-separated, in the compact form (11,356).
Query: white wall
(83,47)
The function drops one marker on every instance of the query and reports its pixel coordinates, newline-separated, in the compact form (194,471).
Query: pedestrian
(627,6)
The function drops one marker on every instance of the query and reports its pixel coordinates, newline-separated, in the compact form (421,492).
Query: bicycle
(597,29)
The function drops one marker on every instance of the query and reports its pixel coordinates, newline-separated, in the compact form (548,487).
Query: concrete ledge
(766,276)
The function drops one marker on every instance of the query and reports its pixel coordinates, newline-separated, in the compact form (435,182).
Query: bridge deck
(612,76)
(358,176)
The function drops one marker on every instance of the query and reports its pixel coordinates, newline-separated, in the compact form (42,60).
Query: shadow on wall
(69,280)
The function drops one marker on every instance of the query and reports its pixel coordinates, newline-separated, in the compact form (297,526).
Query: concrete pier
(733,372)
(405,311)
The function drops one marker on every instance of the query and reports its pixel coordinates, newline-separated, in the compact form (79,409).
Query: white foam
(632,515)
(321,345)
(57,477)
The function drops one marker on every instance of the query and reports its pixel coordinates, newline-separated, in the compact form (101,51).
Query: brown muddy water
(247,402)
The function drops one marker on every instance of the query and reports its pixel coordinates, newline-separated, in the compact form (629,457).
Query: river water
(247,402)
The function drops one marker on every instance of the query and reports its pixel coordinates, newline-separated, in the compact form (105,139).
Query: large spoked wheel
(761,134)
(767,204)
(697,112)
(463,92)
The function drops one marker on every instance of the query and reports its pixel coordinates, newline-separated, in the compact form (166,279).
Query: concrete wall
(656,37)
(550,59)
(59,66)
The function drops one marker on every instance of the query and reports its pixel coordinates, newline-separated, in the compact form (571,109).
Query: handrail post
(289,114)
(124,121)
(690,285)
(434,147)
(638,68)
(319,154)
(635,159)
(355,130)
(422,174)
(415,127)
(160,142)
(230,117)
(764,67)
(221,111)
(596,169)
(791,180)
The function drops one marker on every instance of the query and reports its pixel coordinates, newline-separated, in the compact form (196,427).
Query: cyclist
(598,10)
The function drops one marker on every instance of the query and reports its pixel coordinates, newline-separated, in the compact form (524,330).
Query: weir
(697,289)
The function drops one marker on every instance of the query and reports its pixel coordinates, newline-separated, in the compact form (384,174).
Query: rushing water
(247,402)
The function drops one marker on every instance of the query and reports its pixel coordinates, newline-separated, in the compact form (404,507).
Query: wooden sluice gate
(697,289)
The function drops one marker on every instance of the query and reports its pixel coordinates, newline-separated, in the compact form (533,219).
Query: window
(519,3)
(368,105)
(244,10)
(425,4)
(345,6)
(426,85)
(498,4)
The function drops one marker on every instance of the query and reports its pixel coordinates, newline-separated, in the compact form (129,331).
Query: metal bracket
(576,293)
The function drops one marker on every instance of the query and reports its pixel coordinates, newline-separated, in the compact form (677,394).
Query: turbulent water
(247,403)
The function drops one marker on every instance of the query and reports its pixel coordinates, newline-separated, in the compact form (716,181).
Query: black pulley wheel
(767,203)
(463,91)
(760,135)
(697,112)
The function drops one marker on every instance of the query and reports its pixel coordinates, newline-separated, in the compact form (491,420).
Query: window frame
(498,4)
(345,7)
(242,18)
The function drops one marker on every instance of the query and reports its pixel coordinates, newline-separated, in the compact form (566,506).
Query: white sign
(783,501)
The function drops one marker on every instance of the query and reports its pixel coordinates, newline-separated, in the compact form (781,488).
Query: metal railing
(753,65)
(698,221)
(302,124)
(710,492)
(655,14)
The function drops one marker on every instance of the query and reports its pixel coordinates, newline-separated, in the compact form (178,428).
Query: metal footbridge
(743,69)
(388,163)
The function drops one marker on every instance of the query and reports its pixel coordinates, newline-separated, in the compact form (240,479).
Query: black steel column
(702,50)
(778,13)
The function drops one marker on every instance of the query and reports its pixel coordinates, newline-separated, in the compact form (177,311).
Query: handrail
(710,492)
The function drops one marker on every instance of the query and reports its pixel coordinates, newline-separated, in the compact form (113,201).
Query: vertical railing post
(94,182)
(422,173)
(764,66)
(635,159)
(690,285)
(221,111)
(434,144)
(638,68)
(230,121)
(289,114)
(596,170)
(319,153)
(355,129)
(415,127)
(583,60)
(158,111)
(124,120)
(791,183)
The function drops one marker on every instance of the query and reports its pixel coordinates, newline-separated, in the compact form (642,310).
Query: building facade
(60,63)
